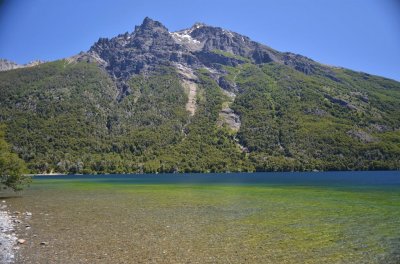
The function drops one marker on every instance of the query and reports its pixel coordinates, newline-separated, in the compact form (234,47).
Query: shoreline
(8,237)
(225,172)
(14,232)
(45,174)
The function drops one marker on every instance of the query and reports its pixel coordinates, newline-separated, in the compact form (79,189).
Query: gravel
(7,235)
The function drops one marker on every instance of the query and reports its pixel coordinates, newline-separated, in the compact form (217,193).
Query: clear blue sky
(362,35)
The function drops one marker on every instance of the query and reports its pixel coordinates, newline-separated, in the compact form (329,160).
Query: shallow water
(329,179)
(335,217)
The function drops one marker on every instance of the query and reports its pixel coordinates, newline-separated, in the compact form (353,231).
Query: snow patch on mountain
(183,36)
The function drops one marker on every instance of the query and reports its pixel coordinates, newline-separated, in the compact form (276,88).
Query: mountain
(6,65)
(203,99)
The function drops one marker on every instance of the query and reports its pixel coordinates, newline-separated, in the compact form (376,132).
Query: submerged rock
(21,241)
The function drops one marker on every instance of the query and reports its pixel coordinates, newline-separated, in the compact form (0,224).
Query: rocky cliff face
(151,45)
(6,65)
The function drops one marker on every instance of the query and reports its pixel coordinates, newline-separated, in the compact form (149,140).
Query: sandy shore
(8,238)
(47,174)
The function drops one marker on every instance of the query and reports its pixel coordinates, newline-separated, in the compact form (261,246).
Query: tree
(12,168)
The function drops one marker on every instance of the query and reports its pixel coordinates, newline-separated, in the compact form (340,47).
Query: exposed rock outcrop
(6,65)
(362,136)
(229,118)
(151,45)
(189,83)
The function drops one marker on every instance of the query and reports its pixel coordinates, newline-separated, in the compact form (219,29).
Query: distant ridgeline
(202,99)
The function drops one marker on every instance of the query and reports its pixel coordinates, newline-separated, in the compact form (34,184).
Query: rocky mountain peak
(198,25)
(149,24)
(151,45)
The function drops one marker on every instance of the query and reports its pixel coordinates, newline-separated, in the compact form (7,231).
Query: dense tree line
(291,122)
(65,117)
(12,168)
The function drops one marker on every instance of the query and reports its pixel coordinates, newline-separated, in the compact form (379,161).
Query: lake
(326,217)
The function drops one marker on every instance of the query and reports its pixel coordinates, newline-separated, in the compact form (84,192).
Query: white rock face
(188,81)
(227,32)
(184,38)
(6,65)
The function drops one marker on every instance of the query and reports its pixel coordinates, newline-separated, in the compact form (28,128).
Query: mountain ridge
(191,47)
(202,99)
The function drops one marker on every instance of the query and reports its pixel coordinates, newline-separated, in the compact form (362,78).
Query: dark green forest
(65,117)
(12,168)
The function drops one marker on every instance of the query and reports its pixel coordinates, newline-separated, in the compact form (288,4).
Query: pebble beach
(11,224)
(8,238)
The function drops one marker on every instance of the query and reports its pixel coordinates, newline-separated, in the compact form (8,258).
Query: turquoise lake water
(328,179)
(324,217)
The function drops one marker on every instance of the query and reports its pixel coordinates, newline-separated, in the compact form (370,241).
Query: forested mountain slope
(200,99)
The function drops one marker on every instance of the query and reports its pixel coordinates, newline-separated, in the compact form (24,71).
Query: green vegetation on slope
(12,168)
(56,113)
(293,121)
(65,117)
(81,128)
(205,147)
